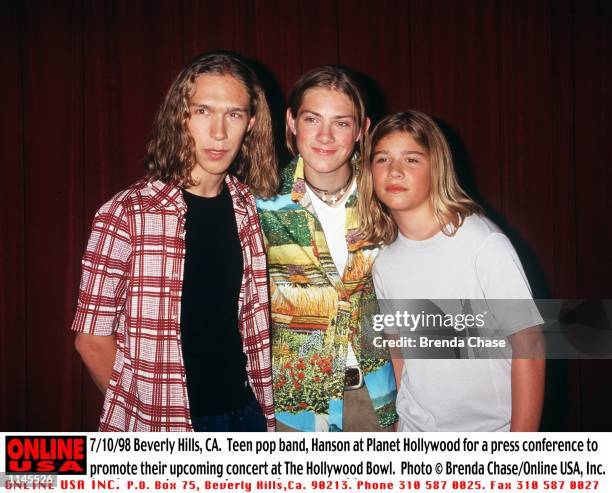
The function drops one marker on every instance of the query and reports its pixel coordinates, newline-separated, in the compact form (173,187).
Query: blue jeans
(248,418)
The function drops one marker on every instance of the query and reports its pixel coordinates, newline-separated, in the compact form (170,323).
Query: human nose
(396,170)
(324,134)
(217,128)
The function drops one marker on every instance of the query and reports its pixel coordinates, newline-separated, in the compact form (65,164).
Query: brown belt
(353,378)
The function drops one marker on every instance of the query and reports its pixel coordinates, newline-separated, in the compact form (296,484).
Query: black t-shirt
(212,348)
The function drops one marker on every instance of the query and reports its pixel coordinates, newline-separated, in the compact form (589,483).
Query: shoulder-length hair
(334,77)
(450,203)
(171,149)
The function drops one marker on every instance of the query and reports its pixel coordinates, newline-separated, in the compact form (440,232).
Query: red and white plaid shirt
(131,287)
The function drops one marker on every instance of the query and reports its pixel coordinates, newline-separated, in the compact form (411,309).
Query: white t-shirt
(333,222)
(478,262)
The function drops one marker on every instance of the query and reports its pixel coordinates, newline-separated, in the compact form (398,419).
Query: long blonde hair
(450,203)
(171,149)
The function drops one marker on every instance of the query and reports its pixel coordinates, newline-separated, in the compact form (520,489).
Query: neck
(328,181)
(417,224)
(207,186)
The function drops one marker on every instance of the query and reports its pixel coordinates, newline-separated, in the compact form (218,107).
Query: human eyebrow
(334,117)
(302,112)
(382,151)
(237,110)
(413,152)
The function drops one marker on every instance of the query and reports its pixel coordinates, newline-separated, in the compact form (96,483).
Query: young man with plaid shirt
(173,312)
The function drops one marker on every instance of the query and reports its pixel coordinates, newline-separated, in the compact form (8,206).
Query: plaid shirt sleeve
(256,320)
(105,265)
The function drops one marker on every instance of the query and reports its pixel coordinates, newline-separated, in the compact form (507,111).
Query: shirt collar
(164,196)
(168,196)
(240,196)
(298,188)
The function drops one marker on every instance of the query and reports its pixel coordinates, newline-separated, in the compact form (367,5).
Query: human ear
(290,121)
(364,128)
(251,123)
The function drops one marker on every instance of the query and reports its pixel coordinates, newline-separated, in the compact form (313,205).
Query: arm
(397,359)
(528,371)
(102,292)
(98,353)
(259,362)
(505,286)
(395,353)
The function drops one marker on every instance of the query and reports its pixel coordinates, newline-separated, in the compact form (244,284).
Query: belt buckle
(353,378)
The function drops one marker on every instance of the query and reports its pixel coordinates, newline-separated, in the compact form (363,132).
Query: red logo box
(45,454)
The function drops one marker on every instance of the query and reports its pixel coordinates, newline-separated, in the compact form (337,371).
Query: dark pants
(249,418)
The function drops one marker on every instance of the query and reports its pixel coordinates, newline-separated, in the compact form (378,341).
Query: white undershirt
(333,221)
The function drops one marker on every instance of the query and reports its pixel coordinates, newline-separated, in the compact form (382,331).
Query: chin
(396,205)
(216,167)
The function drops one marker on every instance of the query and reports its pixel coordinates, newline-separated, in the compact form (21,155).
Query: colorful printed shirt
(131,287)
(316,312)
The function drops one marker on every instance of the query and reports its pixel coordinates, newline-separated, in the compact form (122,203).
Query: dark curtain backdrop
(522,89)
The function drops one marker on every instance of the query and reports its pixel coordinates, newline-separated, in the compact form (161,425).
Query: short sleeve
(385,305)
(505,286)
(105,267)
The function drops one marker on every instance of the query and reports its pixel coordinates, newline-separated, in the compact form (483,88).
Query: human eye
(344,124)
(309,119)
(236,115)
(412,161)
(201,110)
(381,160)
